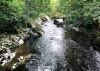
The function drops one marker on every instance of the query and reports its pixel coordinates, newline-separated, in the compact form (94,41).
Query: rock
(20,58)
(8,50)
(21,41)
(6,57)
(12,55)
(75,28)
(39,21)
(44,18)
(59,22)
(4,62)
(14,66)
(47,17)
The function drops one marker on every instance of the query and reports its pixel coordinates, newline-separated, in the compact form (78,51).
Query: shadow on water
(80,58)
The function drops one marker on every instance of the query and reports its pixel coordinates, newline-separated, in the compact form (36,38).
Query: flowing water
(51,46)
(58,54)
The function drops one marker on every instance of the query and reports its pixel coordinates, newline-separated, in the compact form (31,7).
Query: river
(60,54)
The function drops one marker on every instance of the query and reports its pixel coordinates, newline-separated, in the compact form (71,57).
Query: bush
(82,12)
(8,17)
(15,14)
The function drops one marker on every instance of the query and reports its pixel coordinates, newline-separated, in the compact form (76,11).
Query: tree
(15,14)
(81,12)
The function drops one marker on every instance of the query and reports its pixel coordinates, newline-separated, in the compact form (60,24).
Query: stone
(75,28)
(21,57)
(12,55)
(59,22)
(21,41)
(4,62)
(14,66)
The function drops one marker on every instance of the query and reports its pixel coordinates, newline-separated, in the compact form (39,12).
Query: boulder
(44,19)
(59,22)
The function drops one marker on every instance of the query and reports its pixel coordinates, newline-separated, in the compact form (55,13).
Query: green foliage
(35,7)
(81,12)
(15,14)
(7,16)
(62,6)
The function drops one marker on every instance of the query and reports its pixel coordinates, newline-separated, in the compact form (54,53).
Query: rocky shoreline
(11,43)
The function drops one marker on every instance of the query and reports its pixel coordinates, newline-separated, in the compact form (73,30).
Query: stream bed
(60,54)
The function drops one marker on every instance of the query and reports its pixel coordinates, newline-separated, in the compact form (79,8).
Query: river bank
(15,49)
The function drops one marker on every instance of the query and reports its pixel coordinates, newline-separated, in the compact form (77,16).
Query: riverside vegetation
(20,21)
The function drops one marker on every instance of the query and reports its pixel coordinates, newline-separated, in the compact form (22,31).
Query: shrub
(82,12)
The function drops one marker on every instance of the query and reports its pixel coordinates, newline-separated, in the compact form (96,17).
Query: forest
(49,35)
